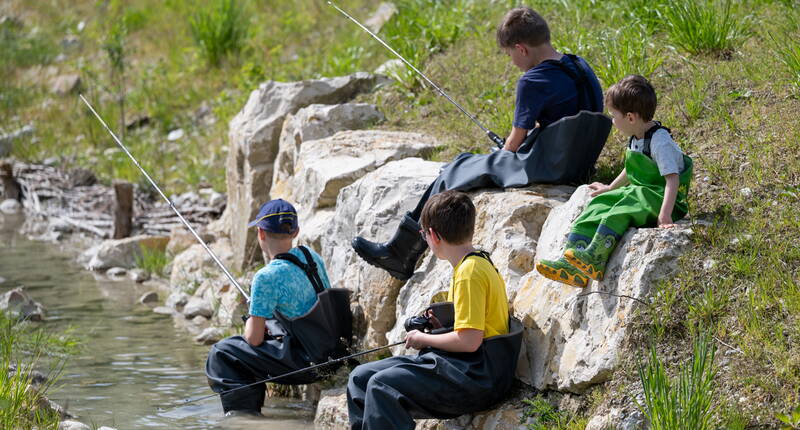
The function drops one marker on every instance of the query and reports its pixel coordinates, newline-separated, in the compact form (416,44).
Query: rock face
(312,123)
(16,303)
(573,336)
(326,166)
(10,206)
(121,252)
(371,207)
(254,134)
(508,226)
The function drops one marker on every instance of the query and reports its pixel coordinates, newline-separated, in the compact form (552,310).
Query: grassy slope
(734,112)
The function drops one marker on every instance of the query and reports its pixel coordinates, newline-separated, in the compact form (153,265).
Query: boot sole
(395,274)
(562,276)
(587,269)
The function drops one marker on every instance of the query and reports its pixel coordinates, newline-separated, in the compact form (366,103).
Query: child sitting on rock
(463,371)
(651,190)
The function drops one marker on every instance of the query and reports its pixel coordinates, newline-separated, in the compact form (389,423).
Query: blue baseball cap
(275,213)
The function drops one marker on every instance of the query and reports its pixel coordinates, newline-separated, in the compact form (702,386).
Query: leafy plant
(539,414)
(625,51)
(706,26)
(219,29)
(787,49)
(791,421)
(683,402)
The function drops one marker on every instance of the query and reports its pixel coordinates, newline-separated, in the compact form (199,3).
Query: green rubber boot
(592,260)
(561,270)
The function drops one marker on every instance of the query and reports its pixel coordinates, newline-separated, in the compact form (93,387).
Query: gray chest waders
(391,393)
(322,332)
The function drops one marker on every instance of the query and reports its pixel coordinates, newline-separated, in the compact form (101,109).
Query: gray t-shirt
(664,151)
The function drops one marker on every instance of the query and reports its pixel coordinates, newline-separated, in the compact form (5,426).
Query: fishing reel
(425,322)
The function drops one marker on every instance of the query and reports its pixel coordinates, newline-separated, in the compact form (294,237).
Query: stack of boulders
(308,143)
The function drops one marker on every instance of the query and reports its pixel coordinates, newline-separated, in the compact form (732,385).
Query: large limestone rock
(508,225)
(573,336)
(326,166)
(312,123)
(121,252)
(370,207)
(193,266)
(253,136)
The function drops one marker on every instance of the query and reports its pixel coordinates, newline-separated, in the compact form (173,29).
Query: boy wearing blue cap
(288,285)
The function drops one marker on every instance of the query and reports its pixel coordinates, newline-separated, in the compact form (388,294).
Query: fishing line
(272,378)
(171,205)
(492,136)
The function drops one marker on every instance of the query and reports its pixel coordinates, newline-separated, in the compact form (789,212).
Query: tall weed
(625,51)
(706,26)
(683,402)
(219,30)
(152,260)
(787,49)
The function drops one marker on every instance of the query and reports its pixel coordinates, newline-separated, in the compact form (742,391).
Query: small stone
(709,264)
(746,192)
(197,306)
(139,275)
(70,42)
(175,134)
(116,272)
(66,84)
(390,68)
(210,336)
(706,178)
(177,300)
(72,425)
(59,225)
(217,200)
(163,310)
(81,25)
(51,161)
(10,206)
(149,297)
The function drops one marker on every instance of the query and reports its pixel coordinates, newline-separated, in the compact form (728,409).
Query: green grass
(706,26)
(152,260)
(219,29)
(25,347)
(539,414)
(683,402)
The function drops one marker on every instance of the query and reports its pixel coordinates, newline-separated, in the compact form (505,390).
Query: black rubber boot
(399,255)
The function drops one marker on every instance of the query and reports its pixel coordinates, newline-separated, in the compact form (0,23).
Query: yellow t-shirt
(478,294)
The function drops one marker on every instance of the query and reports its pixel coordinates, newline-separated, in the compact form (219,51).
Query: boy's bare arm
(670,194)
(600,188)
(461,340)
(254,330)
(515,139)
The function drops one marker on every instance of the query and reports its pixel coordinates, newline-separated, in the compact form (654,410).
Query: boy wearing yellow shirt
(465,370)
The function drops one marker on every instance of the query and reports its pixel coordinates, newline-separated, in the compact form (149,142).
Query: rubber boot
(561,270)
(399,255)
(592,260)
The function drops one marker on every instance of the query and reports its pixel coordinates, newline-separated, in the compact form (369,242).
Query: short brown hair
(451,215)
(522,25)
(633,94)
(287,232)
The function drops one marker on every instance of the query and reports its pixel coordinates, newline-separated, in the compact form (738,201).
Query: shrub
(683,402)
(219,29)
(706,26)
(152,260)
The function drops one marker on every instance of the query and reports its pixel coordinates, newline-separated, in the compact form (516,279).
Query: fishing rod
(171,205)
(294,372)
(498,141)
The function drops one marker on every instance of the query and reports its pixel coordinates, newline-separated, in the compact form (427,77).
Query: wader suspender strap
(310,268)
(580,81)
(648,136)
(483,254)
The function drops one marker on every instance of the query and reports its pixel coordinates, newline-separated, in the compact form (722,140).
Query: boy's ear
(262,234)
(631,116)
(522,48)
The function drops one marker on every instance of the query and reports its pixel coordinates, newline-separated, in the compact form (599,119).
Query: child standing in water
(651,190)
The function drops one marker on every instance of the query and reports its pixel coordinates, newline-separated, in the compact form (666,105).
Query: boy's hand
(415,339)
(598,188)
(665,221)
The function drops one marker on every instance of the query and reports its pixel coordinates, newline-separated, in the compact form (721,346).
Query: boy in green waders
(651,190)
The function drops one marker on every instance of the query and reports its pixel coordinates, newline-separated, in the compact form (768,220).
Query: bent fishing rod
(171,205)
(294,372)
(498,141)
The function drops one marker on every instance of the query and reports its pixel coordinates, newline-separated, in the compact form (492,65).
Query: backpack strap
(483,254)
(310,268)
(580,79)
(648,136)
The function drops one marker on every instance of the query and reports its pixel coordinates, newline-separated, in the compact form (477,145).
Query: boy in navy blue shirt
(553,86)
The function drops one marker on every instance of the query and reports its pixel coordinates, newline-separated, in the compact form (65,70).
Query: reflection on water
(133,365)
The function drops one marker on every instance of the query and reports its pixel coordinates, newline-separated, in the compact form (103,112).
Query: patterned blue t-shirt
(284,287)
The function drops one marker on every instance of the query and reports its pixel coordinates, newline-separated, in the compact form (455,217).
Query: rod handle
(498,141)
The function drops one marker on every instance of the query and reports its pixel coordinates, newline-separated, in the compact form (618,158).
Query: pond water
(133,365)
